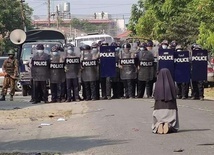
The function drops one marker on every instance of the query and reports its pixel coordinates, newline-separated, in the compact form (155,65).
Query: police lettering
(89,63)
(181,60)
(40,63)
(146,63)
(56,66)
(73,61)
(165,57)
(127,62)
(111,54)
(199,58)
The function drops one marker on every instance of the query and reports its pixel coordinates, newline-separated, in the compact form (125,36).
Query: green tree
(206,29)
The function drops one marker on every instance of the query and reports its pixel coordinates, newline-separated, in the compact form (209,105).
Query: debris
(51,116)
(135,129)
(60,119)
(45,124)
(179,150)
(16,108)
(33,119)
(109,115)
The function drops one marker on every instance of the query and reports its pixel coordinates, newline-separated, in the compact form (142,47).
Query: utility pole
(49,12)
(23,15)
(57,17)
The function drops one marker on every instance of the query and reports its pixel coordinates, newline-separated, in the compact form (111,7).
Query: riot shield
(89,67)
(128,69)
(57,74)
(40,67)
(182,66)
(107,61)
(72,64)
(166,60)
(199,65)
(146,66)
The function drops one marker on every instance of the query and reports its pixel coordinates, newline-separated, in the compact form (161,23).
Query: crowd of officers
(69,78)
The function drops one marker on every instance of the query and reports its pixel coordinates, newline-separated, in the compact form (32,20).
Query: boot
(2,98)
(11,97)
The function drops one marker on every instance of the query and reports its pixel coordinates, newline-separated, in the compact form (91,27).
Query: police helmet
(179,48)
(94,45)
(114,44)
(173,44)
(55,48)
(11,52)
(143,44)
(104,43)
(165,42)
(68,45)
(195,47)
(126,45)
(40,47)
(150,43)
(85,47)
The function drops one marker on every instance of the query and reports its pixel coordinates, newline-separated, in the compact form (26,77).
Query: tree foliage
(10,19)
(186,21)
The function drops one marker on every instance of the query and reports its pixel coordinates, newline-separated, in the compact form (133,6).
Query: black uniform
(89,72)
(72,69)
(40,73)
(128,70)
(145,72)
(57,75)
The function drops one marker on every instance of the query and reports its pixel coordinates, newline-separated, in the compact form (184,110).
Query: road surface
(106,127)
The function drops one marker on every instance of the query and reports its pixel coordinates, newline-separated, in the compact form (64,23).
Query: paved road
(117,127)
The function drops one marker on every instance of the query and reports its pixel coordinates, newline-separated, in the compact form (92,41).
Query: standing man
(105,83)
(72,72)
(199,56)
(57,74)
(89,72)
(149,86)
(145,70)
(40,73)
(10,70)
(127,70)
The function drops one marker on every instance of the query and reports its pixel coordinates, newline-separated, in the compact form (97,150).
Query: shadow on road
(192,130)
(61,144)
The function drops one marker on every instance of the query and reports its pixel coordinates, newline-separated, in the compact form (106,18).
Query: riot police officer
(117,85)
(89,72)
(145,70)
(164,44)
(96,51)
(173,45)
(197,86)
(40,73)
(105,83)
(149,85)
(57,75)
(127,70)
(72,69)
(10,70)
(183,88)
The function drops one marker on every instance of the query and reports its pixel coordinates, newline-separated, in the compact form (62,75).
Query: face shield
(40,52)
(164,46)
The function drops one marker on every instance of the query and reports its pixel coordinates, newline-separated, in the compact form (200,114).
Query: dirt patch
(209,93)
(42,112)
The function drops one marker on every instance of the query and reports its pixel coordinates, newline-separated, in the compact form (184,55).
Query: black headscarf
(164,87)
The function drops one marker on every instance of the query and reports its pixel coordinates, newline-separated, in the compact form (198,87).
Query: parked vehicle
(210,75)
(18,84)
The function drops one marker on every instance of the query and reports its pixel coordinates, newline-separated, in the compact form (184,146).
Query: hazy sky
(115,7)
